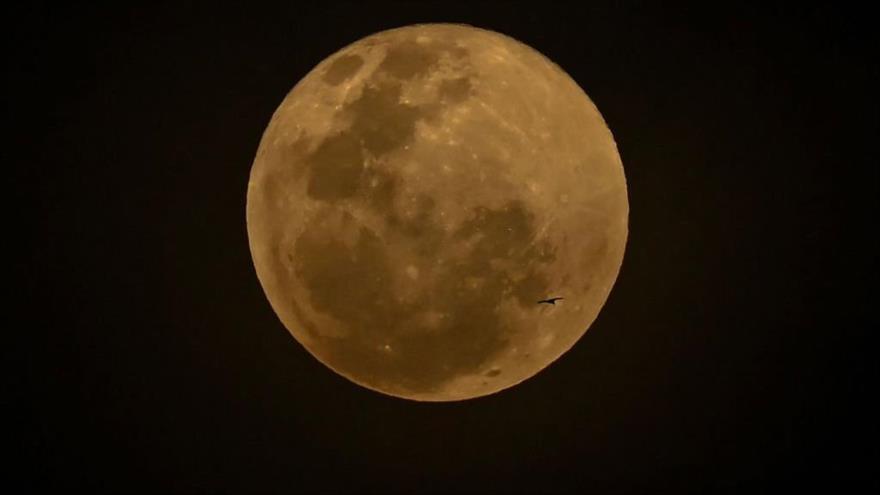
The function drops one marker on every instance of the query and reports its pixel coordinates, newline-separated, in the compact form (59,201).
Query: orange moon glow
(417,193)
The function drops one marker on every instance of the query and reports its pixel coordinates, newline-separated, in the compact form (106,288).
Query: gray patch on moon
(381,121)
(380,124)
(342,69)
(281,170)
(400,340)
(411,58)
(336,168)
(455,90)
(408,59)
(346,282)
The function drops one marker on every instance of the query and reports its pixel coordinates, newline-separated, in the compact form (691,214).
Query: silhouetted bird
(552,300)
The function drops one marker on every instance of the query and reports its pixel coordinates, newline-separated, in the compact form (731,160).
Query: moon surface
(417,193)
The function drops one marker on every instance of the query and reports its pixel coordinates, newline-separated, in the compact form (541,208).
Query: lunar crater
(342,69)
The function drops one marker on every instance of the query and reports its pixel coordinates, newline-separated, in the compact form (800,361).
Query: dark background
(732,355)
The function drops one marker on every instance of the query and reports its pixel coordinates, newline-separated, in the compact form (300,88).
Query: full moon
(417,193)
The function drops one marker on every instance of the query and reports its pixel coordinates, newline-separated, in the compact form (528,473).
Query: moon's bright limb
(415,196)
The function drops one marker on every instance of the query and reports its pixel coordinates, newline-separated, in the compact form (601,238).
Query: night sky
(731,357)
